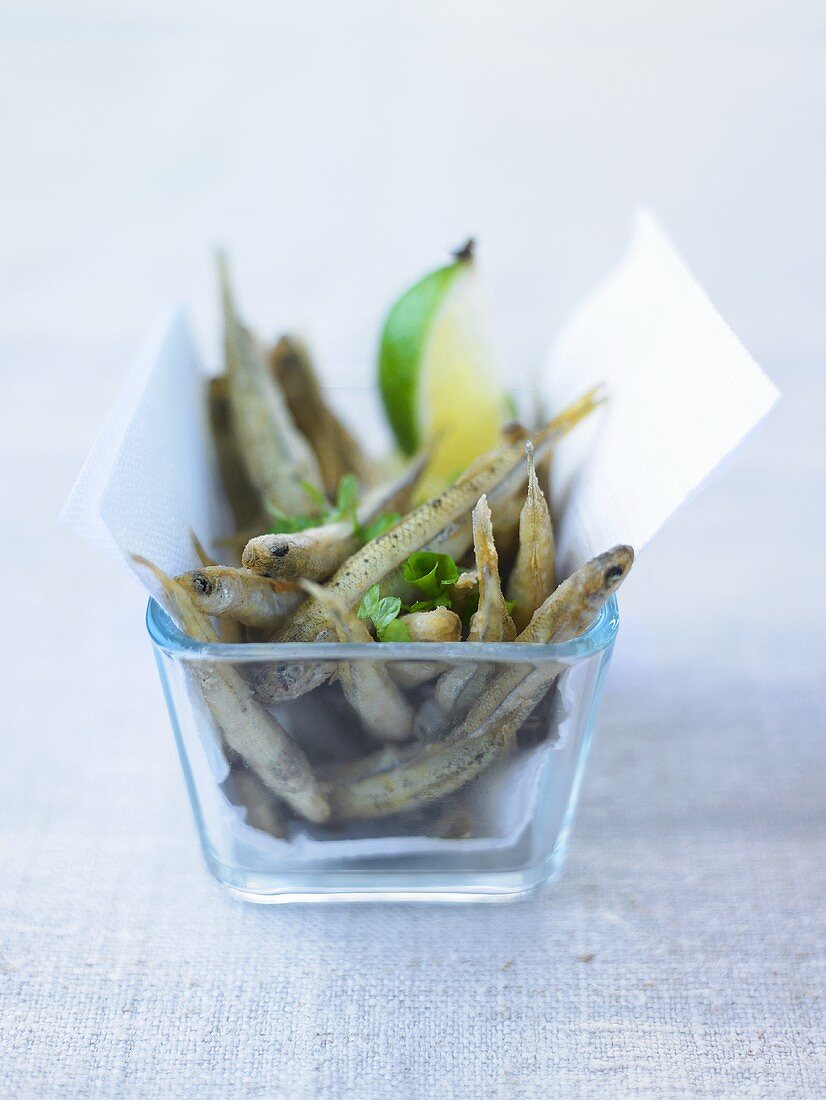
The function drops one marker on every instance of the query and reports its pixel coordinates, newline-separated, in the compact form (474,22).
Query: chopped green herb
(383,611)
(370,601)
(395,631)
(315,495)
(343,511)
(347,498)
(345,508)
(432,573)
(289,525)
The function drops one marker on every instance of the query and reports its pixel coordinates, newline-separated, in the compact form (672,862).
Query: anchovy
(263,810)
(241,494)
(367,685)
(278,459)
(231,631)
(491,622)
(532,577)
(438,625)
(240,595)
(245,726)
(336,448)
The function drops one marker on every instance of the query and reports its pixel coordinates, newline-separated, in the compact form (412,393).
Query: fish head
(612,567)
(283,557)
(204,588)
(280,682)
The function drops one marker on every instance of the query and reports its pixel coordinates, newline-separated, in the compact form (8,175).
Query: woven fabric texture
(681,953)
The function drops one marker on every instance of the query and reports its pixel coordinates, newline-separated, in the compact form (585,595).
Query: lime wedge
(437,371)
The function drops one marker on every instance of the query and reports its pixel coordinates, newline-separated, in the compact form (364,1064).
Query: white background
(340,149)
(337,150)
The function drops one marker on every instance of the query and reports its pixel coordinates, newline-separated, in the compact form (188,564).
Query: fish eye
(612,573)
(202,583)
(280,550)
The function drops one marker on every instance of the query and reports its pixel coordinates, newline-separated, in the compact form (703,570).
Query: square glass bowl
(500,834)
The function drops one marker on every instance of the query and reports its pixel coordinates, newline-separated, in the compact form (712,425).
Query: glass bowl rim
(598,637)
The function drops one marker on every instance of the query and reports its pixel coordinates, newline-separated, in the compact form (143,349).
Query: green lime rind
(402,344)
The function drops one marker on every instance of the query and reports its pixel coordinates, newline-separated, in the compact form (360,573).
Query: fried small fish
(263,810)
(434,772)
(278,459)
(241,494)
(367,685)
(532,577)
(239,595)
(231,632)
(336,448)
(248,729)
(438,625)
(492,621)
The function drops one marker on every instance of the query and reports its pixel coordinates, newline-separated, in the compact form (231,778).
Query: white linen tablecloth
(681,954)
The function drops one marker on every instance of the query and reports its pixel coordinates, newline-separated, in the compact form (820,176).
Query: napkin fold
(151,474)
(683,393)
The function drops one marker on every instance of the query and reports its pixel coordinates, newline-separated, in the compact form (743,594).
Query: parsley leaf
(347,497)
(369,602)
(432,573)
(395,632)
(315,495)
(383,611)
(344,509)
(289,525)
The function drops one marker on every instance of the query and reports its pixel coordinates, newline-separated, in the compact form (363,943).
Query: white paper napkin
(683,393)
(151,474)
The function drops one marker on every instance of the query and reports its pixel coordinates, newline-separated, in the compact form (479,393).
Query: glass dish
(499,837)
